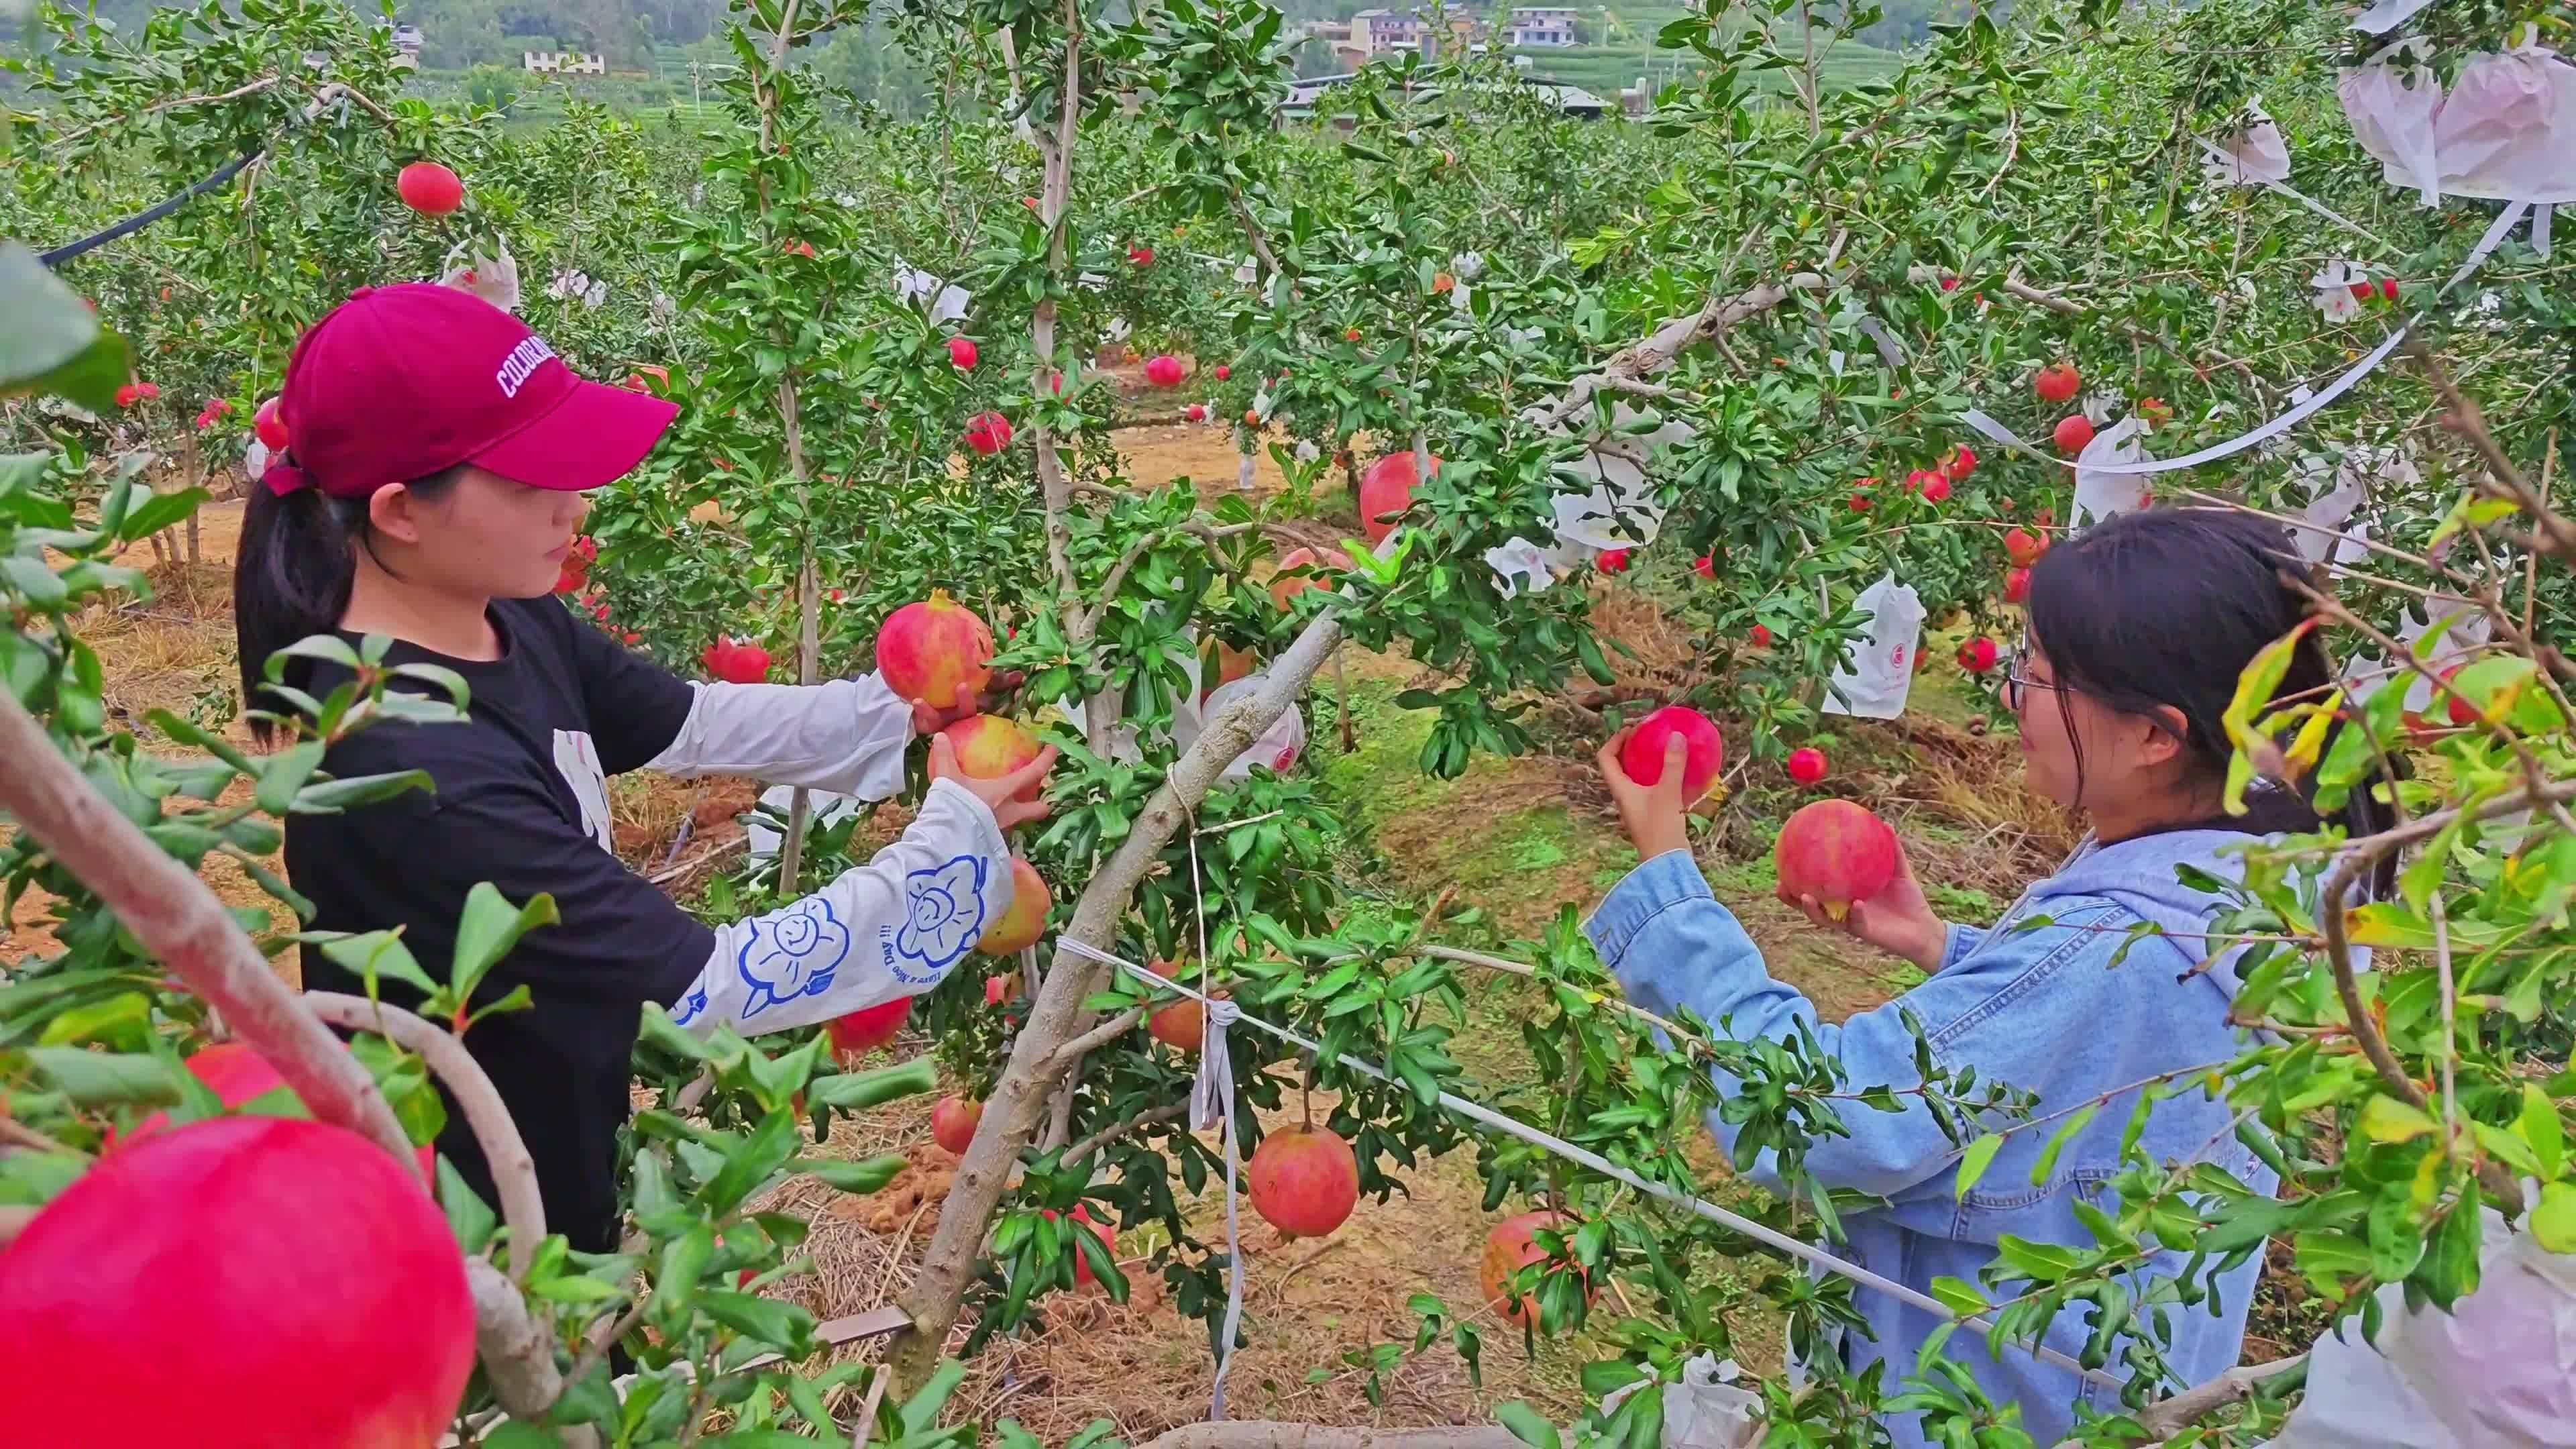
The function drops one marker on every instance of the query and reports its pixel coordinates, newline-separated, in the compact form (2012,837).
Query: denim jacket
(2044,1009)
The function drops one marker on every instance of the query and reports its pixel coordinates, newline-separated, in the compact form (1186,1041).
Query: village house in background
(563,62)
(1380,33)
(1540,25)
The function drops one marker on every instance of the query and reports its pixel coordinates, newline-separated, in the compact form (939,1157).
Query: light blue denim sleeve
(1673,947)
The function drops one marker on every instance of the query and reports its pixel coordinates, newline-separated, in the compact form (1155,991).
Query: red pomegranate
(2024,547)
(1508,1248)
(736,663)
(936,652)
(952,1123)
(2016,585)
(990,746)
(238,1075)
(1837,852)
(1284,589)
(863,1031)
(429,188)
(1303,1181)
(1164,371)
(1961,464)
(1977,655)
(1807,765)
(1021,925)
(2074,431)
(1182,1026)
(988,433)
(962,354)
(1643,756)
(186,1289)
(1387,488)
(270,427)
(2056,382)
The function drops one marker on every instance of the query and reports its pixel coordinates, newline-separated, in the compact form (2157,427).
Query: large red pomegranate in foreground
(1837,852)
(1387,487)
(236,1074)
(863,1031)
(1021,925)
(236,1283)
(1643,756)
(990,746)
(1508,1248)
(936,652)
(1303,1181)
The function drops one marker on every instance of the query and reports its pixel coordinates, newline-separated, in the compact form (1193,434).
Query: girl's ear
(2166,729)
(395,513)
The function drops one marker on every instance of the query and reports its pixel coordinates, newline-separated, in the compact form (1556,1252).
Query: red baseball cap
(401,382)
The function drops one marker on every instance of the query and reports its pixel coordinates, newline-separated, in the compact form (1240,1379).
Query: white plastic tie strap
(1475,1112)
(2495,234)
(1211,1098)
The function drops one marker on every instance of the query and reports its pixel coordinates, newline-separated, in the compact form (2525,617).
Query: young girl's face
(2121,759)
(487,536)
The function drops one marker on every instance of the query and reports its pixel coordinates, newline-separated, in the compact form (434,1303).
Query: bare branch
(2556,535)
(1107,1135)
(518,1353)
(1108,1031)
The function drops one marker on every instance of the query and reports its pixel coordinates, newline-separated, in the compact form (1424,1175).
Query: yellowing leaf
(2386,923)
(2386,1119)
(2253,693)
(2554,1221)
(2311,740)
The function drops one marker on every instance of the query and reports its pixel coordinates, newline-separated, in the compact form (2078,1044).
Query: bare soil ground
(1522,838)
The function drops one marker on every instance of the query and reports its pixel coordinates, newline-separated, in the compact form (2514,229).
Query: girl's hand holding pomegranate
(1898,920)
(1651,814)
(997,791)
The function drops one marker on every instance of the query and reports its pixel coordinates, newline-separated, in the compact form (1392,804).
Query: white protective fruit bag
(1874,684)
(1277,748)
(1705,1410)
(2098,495)
(2505,131)
(2497,1372)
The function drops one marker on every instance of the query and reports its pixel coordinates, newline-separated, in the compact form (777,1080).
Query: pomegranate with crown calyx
(2024,547)
(1019,927)
(1303,1181)
(988,433)
(1512,1245)
(184,1288)
(1837,852)
(1163,370)
(1642,758)
(1385,489)
(990,746)
(936,652)
(952,1123)
(863,1031)
(2056,382)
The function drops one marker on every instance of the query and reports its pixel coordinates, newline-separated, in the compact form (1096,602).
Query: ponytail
(292,573)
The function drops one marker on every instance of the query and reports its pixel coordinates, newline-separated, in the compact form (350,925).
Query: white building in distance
(562,62)
(1539,25)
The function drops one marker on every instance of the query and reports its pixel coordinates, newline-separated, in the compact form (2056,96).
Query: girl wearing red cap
(431,488)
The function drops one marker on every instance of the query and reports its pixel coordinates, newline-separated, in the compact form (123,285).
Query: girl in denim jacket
(2137,632)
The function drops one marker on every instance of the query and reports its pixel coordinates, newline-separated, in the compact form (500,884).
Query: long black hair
(2163,609)
(292,573)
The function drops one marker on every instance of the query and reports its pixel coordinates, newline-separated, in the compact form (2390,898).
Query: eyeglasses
(2017,680)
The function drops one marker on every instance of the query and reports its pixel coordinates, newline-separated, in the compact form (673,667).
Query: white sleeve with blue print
(893,927)
(846,736)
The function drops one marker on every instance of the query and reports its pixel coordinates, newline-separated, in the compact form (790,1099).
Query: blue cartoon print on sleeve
(692,1006)
(792,953)
(943,916)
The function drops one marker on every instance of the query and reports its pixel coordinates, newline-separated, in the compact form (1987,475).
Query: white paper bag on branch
(1705,1410)
(2497,1372)
(2098,495)
(1874,684)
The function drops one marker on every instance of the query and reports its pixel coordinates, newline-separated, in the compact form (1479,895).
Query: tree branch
(178,920)
(518,1354)
(1108,1031)
(1107,1135)
(514,1171)
(2556,535)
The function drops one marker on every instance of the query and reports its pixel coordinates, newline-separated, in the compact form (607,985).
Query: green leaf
(163,510)
(329,648)
(868,1175)
(330,797)
(2057,1143)
(47,324)
(104,1079)
(1959,1296)
(2541,1128)
(750,1163)
(684,1262)
(376,956)
(1974,1162)
(782,1326)
(1528,1425)
(2553,1222)
(488,929)
(2386,1119)
(468,1216)
(516,1435)
(857,1091)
